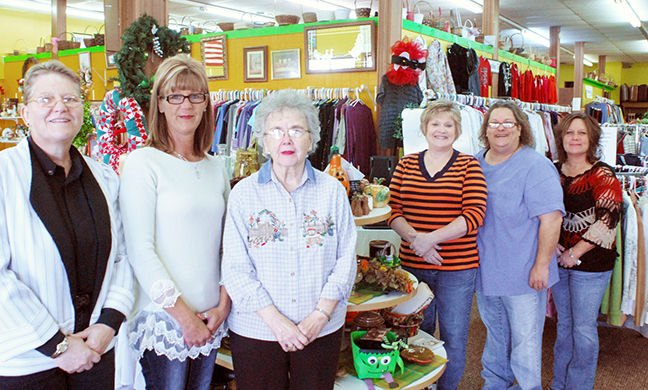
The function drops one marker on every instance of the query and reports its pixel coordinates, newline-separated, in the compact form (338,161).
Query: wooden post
(601,65)
(390,30)
(491,27)
(579,53)
(59,23)
(554,51)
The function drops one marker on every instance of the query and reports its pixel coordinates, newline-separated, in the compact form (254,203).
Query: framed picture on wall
(255,64)
(341,47)
(110,59)
(285,64)
(213,51)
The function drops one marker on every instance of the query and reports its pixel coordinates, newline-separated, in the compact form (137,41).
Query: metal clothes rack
(479,101)
(315,93)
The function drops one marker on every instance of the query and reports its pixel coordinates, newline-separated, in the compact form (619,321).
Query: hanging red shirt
(485,76)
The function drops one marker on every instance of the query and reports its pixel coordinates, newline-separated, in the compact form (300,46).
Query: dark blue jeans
(161,373)
(453,296)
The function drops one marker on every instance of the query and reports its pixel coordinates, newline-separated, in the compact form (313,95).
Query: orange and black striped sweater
(430,203)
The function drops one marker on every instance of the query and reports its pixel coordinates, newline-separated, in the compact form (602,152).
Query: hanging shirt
(485,76)
(437,69)
(515,81)
(504,85)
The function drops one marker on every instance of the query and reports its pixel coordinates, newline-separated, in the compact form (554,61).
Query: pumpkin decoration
(335,168)
(378,192)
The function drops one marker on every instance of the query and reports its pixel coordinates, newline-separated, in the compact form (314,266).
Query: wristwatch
(61,348)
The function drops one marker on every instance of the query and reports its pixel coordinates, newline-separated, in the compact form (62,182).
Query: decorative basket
(519,50)
(43,47)
(209,30)
(284,20)
(325,15)
(362,12)
(195,29)
(342,13)
(99,38)
(89,42)
(184,28)
(226,26)
(244,25)
(67,45)
(309,17)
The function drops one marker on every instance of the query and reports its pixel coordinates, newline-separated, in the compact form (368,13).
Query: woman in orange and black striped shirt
(438,200)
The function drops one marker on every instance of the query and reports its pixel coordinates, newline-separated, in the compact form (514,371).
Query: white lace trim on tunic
(158,331)
(164,293)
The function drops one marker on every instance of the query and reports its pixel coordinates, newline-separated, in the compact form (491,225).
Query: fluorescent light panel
(33,6)
(470,5)
(629,13)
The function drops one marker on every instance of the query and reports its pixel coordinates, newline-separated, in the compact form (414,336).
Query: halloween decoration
(377,276)
(399,87)
(376,359)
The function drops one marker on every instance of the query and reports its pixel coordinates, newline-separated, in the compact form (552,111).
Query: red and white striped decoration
(214,53)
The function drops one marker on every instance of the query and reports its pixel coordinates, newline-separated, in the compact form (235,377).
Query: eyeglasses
(506,125)
(279,134)
(194,98)
(50,101)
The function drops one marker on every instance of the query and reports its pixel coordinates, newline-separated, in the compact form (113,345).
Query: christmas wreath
(140,38)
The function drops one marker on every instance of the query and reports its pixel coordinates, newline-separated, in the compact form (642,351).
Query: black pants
(262,365)
(100,377)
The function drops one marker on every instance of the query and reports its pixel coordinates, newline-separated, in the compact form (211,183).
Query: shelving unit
(598,84)
(6,144)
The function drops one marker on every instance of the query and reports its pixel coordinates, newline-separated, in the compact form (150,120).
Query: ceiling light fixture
(586,62)
(219,9)
(321,5)
(629,13)
(476,7)
(38,7)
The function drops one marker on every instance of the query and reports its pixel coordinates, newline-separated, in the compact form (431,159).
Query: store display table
(375,216)
(350,382)
(390,299)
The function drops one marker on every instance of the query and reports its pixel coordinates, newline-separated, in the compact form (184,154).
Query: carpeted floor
(623,357)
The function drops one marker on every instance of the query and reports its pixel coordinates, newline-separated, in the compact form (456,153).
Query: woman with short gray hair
(288,257)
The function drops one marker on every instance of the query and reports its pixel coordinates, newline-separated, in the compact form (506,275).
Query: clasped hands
(197,333)
(85,348)
(292,337)
(424,246)
(564,257)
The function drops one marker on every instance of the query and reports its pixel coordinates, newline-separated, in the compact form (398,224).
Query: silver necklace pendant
(193,164)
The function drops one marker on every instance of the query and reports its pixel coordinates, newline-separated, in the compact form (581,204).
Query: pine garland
(131,58)
(87,127)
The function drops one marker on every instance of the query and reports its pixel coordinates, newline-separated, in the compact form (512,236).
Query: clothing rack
(315,93)
(478,101)
(601,99)
(630,170)
(321,93)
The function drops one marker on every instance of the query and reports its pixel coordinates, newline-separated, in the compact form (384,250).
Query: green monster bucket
(374,363)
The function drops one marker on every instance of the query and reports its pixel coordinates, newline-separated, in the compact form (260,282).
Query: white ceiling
(598,23)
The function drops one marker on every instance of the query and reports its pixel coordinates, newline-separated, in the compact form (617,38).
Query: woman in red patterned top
(587,250)
(438,200)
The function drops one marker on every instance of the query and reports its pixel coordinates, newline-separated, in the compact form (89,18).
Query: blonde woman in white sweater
(173,197)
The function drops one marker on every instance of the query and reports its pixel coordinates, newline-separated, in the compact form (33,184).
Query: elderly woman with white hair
(289,257)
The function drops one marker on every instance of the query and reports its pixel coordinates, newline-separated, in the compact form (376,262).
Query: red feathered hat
(407,62)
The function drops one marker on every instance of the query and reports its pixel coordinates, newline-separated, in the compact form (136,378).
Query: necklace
(195,165)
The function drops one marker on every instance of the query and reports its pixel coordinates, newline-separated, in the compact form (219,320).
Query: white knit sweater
(173,213)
